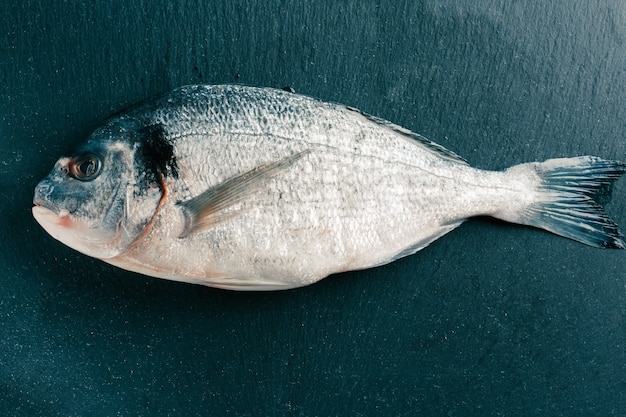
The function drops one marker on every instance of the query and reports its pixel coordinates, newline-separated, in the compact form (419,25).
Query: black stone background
(491,320)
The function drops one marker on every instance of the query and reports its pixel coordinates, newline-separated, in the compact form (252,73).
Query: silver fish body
(259,189)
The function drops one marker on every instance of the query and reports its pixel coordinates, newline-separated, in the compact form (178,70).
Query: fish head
(97,200)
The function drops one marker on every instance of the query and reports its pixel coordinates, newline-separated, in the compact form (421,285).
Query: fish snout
(45,198)
(43,191)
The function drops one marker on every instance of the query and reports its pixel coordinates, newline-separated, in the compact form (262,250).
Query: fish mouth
(48,217)
(78,235)
(42,205)
(41,202)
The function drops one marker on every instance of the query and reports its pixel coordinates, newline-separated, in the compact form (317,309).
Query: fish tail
(566,199)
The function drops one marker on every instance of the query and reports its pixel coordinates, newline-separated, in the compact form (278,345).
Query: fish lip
(38,201)
(41,203)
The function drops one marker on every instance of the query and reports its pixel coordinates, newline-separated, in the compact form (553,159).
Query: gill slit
(149,225)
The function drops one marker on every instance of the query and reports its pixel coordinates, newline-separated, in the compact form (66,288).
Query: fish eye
(85,167)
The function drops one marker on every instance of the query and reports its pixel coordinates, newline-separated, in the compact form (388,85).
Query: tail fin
(565,205)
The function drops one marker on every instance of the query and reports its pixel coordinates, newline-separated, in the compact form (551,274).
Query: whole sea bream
(261,189)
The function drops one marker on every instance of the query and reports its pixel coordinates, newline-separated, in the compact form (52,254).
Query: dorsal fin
(428,144)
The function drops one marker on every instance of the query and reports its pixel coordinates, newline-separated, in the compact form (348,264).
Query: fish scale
(259,189)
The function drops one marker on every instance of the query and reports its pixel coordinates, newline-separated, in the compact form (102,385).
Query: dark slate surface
(491,320)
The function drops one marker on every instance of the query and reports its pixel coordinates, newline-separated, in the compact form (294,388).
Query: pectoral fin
(207,209)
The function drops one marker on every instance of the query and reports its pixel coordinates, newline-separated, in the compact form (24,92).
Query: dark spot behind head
(157,152)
